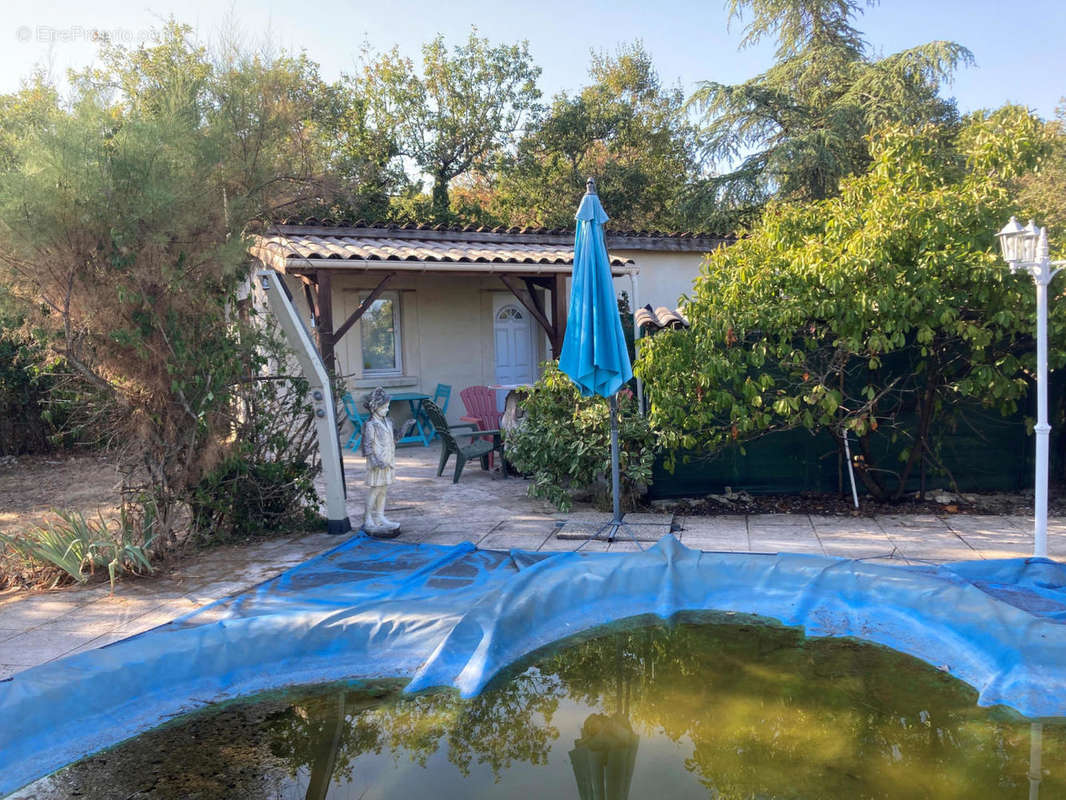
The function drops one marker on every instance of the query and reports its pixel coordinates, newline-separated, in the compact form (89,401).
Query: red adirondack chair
(480,403)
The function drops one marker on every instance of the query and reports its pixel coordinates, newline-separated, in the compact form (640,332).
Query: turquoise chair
(440,399)
(351,410)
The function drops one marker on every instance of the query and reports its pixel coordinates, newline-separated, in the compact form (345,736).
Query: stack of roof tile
(655,319)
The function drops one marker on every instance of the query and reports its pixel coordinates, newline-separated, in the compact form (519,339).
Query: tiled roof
(616,239)
(296,247)
(419,226)
(654,319)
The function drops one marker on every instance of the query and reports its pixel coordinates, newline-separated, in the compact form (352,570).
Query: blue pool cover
(455,616)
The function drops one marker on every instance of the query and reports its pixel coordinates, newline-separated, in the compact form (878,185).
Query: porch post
(325,319)
(559,303)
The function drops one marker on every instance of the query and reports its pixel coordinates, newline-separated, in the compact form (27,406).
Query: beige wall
(663,278)
(446,332)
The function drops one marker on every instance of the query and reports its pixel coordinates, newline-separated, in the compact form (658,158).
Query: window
(379,330)
(509,312)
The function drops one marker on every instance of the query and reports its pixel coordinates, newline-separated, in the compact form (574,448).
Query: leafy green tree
(456,116)
(879,313)
(801,126)
(1043,192)
(626,129)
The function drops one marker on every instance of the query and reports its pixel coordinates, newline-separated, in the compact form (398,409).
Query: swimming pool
(456,617)
(701,706)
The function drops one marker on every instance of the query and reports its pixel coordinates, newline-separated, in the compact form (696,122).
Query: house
(410,307)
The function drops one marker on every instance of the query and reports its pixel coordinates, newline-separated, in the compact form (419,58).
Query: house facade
(410,307)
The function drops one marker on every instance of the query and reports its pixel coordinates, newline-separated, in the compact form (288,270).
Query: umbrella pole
(616,500)
(611,529)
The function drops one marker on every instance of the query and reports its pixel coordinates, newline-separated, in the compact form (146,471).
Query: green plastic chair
(479,446)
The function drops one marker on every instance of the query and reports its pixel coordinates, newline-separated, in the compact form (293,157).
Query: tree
(878,313)
(1044,190)
(122,222)
(626,129)
(459,113)
(801,126)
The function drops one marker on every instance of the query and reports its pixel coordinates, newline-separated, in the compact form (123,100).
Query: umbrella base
(616,530)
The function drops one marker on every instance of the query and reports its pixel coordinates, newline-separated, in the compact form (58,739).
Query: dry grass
(32,487)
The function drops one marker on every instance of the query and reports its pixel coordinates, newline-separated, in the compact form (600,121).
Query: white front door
(513,333)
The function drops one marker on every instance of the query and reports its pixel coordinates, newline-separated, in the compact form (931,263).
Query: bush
(564,444)
(243,497)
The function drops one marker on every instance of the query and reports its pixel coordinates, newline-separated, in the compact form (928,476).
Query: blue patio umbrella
(594,354)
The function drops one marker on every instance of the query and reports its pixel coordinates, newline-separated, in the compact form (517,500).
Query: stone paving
(494,513)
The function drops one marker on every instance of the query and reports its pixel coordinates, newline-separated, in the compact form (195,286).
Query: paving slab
(836,523)
(39,646)
(781,520)
(28,611)
(637,518)
(993,550)
(109,612)
(988,524)
(554,543)
(715,542)
(757,529)
(584,529)
(910,522)
(725,523)
(766,544)
(859,550)
(515,540)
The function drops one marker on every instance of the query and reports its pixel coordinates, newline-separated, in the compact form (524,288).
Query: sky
(689,41)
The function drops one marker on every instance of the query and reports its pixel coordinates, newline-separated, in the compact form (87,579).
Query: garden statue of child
(379,447)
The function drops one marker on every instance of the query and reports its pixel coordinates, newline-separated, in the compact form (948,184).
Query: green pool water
(692,709)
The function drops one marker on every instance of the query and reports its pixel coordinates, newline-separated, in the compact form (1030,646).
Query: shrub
(564,444)
(244,497)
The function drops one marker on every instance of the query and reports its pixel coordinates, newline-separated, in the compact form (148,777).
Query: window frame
(397,335)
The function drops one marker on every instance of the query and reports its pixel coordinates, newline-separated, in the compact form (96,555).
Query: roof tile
(354,248)
(654,319)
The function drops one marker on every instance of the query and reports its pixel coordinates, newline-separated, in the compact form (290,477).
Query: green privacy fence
(983,451)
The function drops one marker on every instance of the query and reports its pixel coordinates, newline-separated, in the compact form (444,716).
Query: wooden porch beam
(530,285)
(526,299)
(375,293)
(538,280)
(311,296)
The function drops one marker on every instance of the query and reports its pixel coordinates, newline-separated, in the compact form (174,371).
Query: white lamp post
(1026,250)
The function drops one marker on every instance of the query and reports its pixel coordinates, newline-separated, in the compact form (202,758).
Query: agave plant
(78,546)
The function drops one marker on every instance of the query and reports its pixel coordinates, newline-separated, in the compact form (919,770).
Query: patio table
(423,431)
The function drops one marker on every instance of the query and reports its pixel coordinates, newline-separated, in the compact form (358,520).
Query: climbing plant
(878,313)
